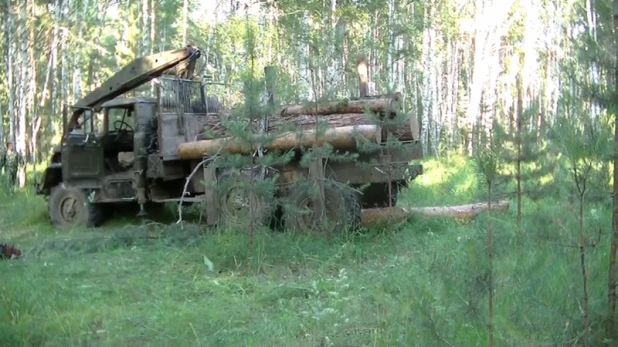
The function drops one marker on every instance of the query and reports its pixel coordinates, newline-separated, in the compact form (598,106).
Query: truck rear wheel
(69,207)
(342,210)
(238,206)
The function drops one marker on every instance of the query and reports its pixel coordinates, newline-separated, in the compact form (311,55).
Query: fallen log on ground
(383,105)
(374,217)
(339,138)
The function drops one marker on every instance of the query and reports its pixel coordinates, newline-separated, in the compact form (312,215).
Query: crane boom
(179,62)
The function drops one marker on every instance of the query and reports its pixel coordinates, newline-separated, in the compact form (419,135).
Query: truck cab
(97,157)
(106,140)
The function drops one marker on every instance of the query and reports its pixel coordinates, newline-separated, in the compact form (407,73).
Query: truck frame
(121,152)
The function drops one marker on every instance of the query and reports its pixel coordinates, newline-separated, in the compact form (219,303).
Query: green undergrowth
(423,284)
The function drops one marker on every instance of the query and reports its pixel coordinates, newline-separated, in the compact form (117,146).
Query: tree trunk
(54,74)
(185,21)
(35,119)
(77,66)
(426,89)
(94,54)
(518,140)
(64,68)
(20,141)
(10,62)
(144,46)
(152,25)
(611,325)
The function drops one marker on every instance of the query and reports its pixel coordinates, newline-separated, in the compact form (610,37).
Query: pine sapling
(487,160)
(583,142)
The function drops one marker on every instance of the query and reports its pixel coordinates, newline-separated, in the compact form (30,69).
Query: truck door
(82,152)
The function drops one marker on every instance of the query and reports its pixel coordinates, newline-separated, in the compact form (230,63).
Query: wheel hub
(69,210)
(327,222)
(237,201)
(239,206)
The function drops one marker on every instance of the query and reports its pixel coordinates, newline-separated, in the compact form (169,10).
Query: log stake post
(363,83)
(316,173)
(181,109)
(388,159)
(270,76)
(210,195)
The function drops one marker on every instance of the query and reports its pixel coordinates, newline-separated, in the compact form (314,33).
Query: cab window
(84,123)
(116,117)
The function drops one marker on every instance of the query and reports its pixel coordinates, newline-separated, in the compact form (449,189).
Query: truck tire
(342,212)
(69,207)
(235,203)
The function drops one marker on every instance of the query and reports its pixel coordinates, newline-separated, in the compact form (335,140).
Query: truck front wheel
(69,207)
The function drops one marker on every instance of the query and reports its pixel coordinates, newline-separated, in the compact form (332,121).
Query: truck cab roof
(122,102)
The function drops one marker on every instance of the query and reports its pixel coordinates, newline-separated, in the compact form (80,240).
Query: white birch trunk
(427,86)
(64,68)
(10,61)
(35,119)
(20,140)
(163,38)
(152,26)
(390,76)
(54,49)
(331,71)
(185,21)
(436,97)
(531,67)
(491,24)
(594,75)
(479,74)
(77,66)
(144,46)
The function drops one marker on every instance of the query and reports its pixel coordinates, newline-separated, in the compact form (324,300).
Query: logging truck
(120,153)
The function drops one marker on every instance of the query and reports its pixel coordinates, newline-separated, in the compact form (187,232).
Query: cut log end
(375,217)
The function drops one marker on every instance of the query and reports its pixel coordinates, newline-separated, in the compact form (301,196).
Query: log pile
(295,126)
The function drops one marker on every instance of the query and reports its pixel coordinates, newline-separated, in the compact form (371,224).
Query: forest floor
(420,284)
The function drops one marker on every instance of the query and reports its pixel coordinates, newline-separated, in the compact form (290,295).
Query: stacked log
(340,137)
(295,126)
(303,122)
(382,105)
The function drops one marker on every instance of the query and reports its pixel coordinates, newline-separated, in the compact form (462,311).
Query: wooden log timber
(382,105)
(307,122)
(374,217)
(340,138)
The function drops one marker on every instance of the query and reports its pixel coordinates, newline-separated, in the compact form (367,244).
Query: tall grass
(420,286)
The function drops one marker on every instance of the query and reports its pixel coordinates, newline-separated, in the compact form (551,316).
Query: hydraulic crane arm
(179,62)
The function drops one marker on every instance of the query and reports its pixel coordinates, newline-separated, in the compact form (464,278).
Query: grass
(422,285)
